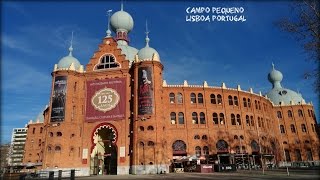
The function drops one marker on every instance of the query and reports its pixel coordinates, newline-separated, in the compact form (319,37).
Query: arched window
(307,142)
(285,142)
(171,98)
(215,118)
(213,99)
(255,146)
(59,133)
(173,118)
(193,98)
(141,128)
(262,123)
(287,153)
(204,137)
(244,102)
(247,120)
(179,148)
(235,137)
(298,154)
(200,98)
(181,118)
(289,113)
(252,121)
(300,113)
(259,122)
(57,149)
(205,150)
(236,101)
(41,129)
(230,100)
(194,118)
(293,129)
(256,104)
(233,119)
(221,118)
(279,115)
(198,151)
(303,128)
(238,119)
(106,62)
(309,155)
(312,127)
(259,105)
(49,149)
(141,144)
(282,130)
(196,137)
(51,134)
(179,98)
(249,103)
(33,130)
(222,146)
(150,128)
(219,99)
(150,143)
(202,118)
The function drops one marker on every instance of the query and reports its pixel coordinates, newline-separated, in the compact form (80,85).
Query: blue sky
(36,35)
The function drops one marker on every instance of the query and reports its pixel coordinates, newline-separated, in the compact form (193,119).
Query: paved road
(239,175)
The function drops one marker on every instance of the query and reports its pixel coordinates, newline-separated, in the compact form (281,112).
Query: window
(244,102)
(282,130)
(289,113)
(49,149)
(171,98)
(106,62)
(300,113)
(285,142)
(213,99)
(262,123)
(215,118)
(236,101)
(179,98)
(293,129)
(233,119)
(309,113)
(252,121)
(247,120)
(33,130)
(303,128)
(202,118)
(196,137)
(287,153)
(279,115)
(238,119)
(200,98)
(307,142)
(298,154)
(222,118)
(259,105)
(230,100)
(312,127)
(150,128)
(141,128)
(205,150)
(255,102)
(194,118)
(41,129)
(193,98)
(222,146)
(51,134)
(249,103)
(181,118)
(219,99)
(309,155)
(173,118)
(198,151)
(150,143)
(204,137)
(59,134)
(57,149)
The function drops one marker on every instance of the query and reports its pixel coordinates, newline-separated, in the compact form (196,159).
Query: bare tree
(304,25)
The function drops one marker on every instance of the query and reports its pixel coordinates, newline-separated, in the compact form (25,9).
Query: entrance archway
(104,154)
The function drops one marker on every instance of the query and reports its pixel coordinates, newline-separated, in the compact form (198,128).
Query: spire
(109,31)
(272,65)
(121,5)
(147,33)
(70,48)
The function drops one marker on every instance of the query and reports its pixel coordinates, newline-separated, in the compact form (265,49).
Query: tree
(4,153)
(304,25)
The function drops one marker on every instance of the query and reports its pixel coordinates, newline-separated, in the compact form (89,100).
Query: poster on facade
(105,99)
(145,91)
(58,99)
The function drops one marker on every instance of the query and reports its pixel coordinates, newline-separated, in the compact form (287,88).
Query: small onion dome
(66,61)
(147,52)
(121,21)
(275,77)
(39,118)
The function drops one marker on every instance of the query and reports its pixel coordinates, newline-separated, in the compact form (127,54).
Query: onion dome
(148,53)
(127,50)
(66,61)
(40,117)
(279,95)
(121,21)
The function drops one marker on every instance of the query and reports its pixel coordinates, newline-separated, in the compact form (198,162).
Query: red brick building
(118,116)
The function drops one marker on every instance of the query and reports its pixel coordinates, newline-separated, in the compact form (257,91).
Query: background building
(116,115)
(16,152)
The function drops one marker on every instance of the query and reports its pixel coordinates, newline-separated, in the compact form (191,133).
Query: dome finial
(147,33)
(70,48)
(272,65)
(121,5)
(109,31)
